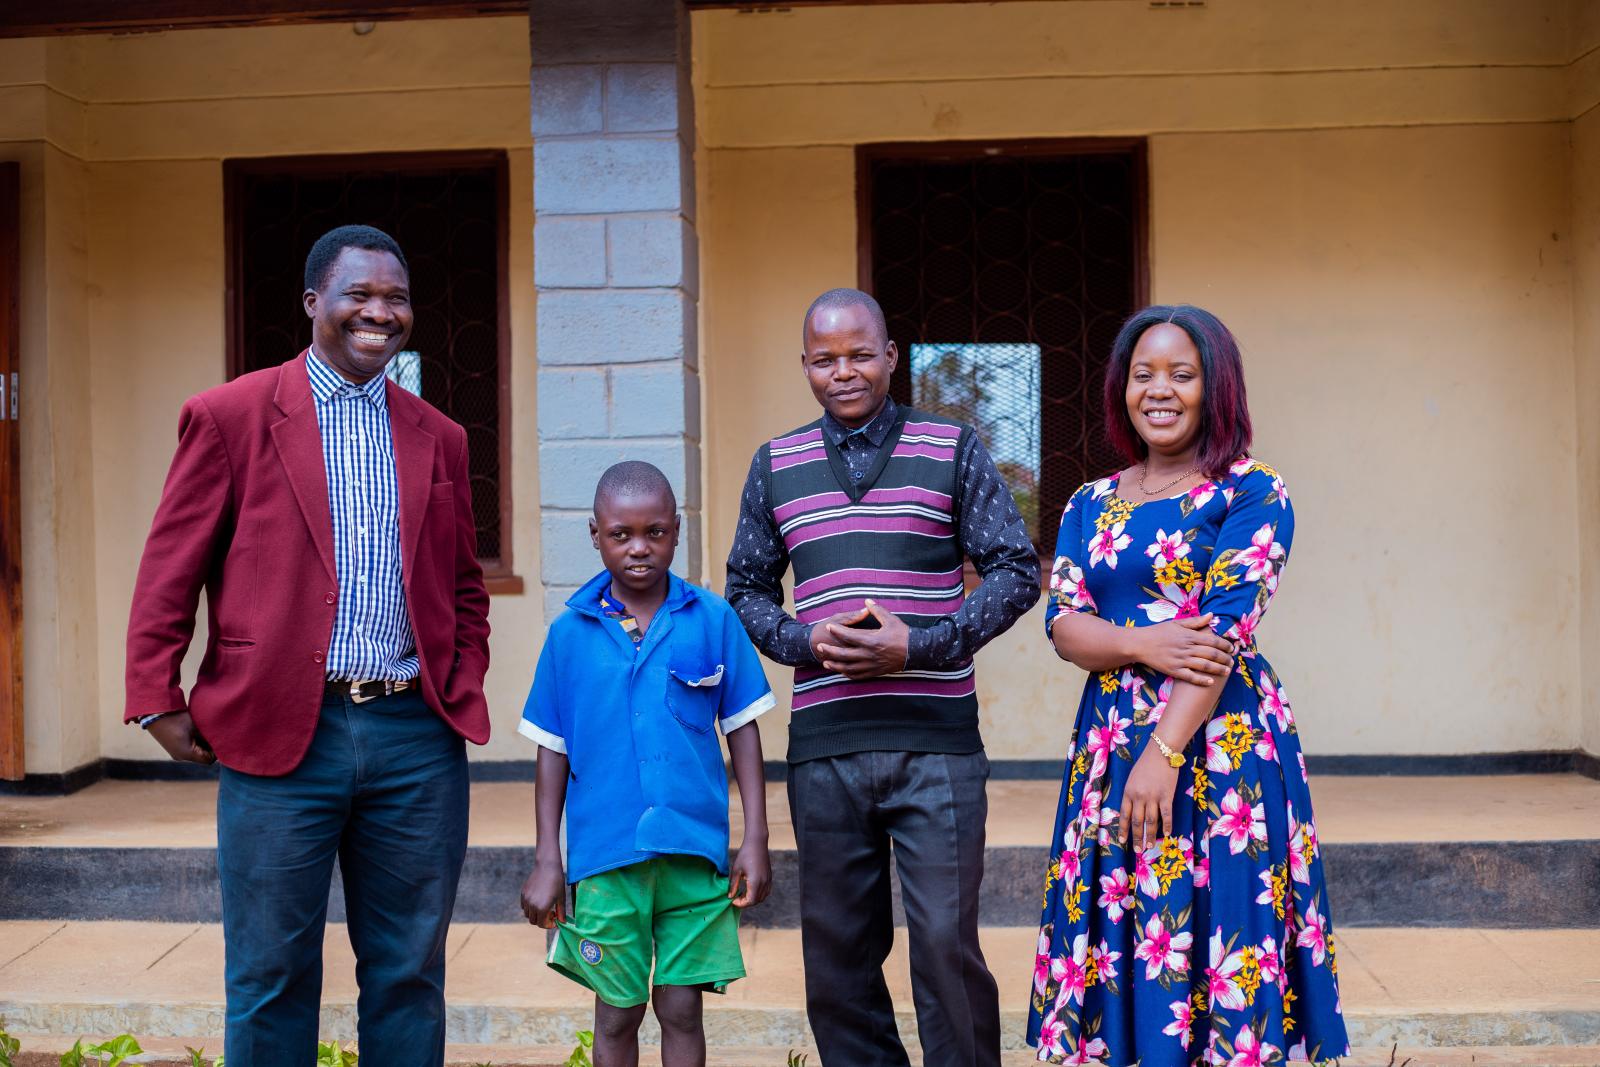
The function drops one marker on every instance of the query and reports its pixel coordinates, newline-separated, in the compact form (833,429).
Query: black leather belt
(361,692)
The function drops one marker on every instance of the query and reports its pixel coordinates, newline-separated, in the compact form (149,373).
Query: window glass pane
(405,370)
(995,389)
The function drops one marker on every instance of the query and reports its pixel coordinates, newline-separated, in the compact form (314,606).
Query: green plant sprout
(109,1053)
(8,1046)
(580,1052)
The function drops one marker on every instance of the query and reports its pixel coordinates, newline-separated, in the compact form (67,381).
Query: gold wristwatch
(1175,760)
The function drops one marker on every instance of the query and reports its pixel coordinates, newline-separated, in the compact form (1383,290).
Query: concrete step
(170,1053)
(1507,851)
(1452,989)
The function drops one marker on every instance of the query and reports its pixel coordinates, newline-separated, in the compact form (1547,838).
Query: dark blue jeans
(383,788)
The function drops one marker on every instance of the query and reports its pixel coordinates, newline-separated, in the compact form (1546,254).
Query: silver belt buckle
(389,689)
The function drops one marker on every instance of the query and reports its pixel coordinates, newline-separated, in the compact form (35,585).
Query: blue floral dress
(1215,946)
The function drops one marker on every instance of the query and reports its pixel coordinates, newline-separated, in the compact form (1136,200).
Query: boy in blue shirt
(631,680)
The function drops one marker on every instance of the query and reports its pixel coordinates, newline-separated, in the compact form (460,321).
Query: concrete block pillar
(615,264)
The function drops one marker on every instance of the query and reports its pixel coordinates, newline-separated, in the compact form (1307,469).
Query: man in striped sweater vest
(876,506)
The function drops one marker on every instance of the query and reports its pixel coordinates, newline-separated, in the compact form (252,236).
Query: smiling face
(361,317)
(848,363)
(1166,391)
(636,534)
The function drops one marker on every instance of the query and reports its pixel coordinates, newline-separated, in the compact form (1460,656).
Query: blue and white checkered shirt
(372,636)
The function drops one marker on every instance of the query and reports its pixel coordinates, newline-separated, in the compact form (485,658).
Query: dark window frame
(1137,148)
(498,573)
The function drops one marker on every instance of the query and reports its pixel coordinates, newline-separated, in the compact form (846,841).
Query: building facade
(1395,207)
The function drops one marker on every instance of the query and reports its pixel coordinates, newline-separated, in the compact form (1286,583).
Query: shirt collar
(875,431)
(327,383)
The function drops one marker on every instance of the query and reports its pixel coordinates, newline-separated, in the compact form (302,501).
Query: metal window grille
(448,214)
(989,262)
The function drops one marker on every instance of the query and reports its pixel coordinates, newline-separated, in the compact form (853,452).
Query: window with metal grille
(448,212)
(1005,271)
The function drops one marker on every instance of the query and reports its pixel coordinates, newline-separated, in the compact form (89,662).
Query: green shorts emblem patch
(590,952)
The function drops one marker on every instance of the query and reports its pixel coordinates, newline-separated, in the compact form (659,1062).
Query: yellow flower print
(1116,510)
(1075,902)
(1202,785)
(1237,738)
(1178,572)
(1170,864)
(1249,976)
(1108,682)
(1288,1001)
(1218,576)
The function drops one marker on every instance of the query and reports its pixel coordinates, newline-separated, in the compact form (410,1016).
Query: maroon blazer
(244,516)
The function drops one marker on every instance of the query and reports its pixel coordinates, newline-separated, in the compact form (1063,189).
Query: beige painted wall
(123,139)
(1586,329)
(1378,205)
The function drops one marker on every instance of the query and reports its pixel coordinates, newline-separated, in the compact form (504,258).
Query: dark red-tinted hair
(1225,416)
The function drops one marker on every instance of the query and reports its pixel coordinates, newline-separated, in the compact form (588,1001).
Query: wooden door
(10,482)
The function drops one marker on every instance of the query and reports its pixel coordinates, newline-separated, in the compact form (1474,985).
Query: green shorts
(674,908)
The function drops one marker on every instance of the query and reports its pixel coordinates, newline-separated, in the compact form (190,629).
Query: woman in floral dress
(1185,910)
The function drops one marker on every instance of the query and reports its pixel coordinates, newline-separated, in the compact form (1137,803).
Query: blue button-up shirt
(638,724)
(372,636)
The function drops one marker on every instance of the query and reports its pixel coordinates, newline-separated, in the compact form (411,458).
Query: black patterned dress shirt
(990,528)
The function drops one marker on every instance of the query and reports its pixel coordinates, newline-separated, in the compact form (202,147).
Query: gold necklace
(1144,468)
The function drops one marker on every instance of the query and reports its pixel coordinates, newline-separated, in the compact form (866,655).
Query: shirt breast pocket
(694,692)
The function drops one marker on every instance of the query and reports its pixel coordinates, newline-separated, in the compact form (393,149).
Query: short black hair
(846,298)
(633,477)
(325,253)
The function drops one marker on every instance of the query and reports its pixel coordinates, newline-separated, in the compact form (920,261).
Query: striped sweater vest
(892,538)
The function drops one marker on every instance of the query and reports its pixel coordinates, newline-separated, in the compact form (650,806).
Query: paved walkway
(1539,807)
(1418,987)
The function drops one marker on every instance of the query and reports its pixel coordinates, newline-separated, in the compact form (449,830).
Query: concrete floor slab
(1541,807)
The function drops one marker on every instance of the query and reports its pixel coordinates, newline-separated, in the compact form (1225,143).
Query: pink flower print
(1152,712)
(1067,582)
(1302,848)
(1240,823)
(1274,702)
(1258,558)
(1182,1021)
(1217,760)
(1116,894)
(1271,963)
(1175,603)
(1163,950)
(1105,962)
(1243,632)
(1202,863)
(1297,1052)
(1242,466)
(1041,963)
(1201,495)
(1144,874)
(1104,740)
(1071,972)
(1222,991)
(1101,488)
(1167,549)
(1107,543)
(1071,867)
(1301,756)
(1281,492)
(1051,1030)
(1251,1051)
(1092,1049)
(1314,934)
(1266,746)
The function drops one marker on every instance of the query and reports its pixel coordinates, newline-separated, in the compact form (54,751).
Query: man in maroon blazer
(327,514)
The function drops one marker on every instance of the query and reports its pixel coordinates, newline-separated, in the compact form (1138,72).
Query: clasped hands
(841,645)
